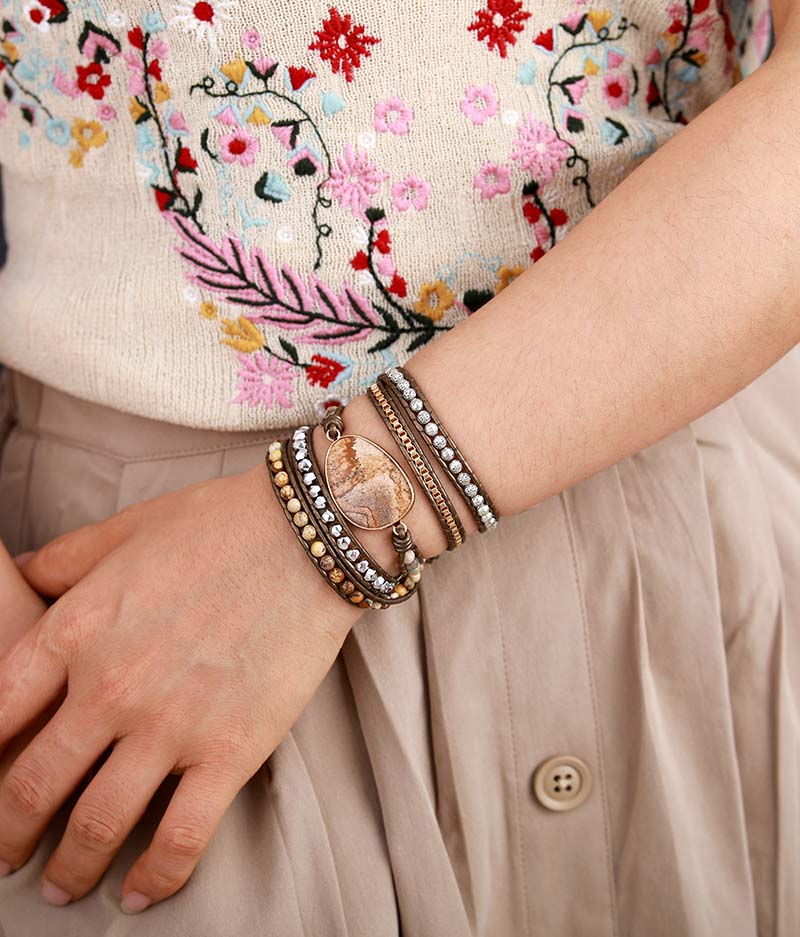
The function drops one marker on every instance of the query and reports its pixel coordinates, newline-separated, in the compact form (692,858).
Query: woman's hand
(191,631)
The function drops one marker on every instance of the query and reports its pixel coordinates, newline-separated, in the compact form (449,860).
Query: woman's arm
(672,294)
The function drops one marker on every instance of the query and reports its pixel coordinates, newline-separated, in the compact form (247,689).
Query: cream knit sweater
(224,213)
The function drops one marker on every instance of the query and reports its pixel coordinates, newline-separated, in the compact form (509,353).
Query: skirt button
(562,782)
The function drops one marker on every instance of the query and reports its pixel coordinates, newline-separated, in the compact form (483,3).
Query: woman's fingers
(63,561)
(43,777)
(197,806)
(103,817)
(32,673)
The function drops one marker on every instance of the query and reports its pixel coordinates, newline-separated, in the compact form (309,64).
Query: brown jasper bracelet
(370,578)
(382,399)
(441,443)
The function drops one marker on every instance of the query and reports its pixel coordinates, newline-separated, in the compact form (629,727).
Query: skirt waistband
(43,410)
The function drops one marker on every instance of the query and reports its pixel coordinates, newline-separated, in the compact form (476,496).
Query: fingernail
(52,894)
(23,558)
(134,902)
(5,869)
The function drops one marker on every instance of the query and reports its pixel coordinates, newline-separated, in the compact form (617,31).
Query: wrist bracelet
(371,579)
(441,443)
(317,520)
(393,418)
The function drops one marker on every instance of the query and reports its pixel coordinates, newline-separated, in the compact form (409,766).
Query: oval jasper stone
(369,487)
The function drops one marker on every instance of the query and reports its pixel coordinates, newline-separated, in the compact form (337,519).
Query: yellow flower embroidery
(434,300)
(88,133)
(208,310)
(506,275)
(11,51)
(242,334)
(76,158)
(234,70)
(136,110)
(162,93)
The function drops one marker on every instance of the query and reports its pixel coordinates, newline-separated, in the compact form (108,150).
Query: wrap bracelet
(441,443)
(448,517)
(370,577)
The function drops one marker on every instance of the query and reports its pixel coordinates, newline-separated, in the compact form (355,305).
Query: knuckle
(95,828)
(184,842)
(67,625)
(27,793)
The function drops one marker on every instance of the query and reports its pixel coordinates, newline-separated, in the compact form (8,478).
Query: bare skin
(566,370)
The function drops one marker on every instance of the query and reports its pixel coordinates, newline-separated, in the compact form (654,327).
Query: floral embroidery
(354,181)
(434,300)
(266,141)
(498,23)
(264,381)
(479,103)
(205,18)
(393,116)
(342,43)
(492,180)
(539,149)
(412,192)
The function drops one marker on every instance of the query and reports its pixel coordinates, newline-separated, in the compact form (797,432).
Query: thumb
(60,563)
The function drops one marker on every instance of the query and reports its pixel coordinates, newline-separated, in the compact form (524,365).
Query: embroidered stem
(576,157)
(9,69)
(676,52)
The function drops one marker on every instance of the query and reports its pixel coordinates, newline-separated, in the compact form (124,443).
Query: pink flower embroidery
(616,90)
(354,181)
(492,180)
(538,149)
(392,116)
(251,38)
(239,147)
(106,112)
(411,192)
(264,381)
(480,103)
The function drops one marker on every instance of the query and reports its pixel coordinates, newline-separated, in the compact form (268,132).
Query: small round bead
(477,500)
(463,479)
(400,589)
(318,548)
(287,492)
(276,466)
(423,417)
(431,429)
(409,393)
(416,405)
(293,506)
(336,574)
(408,582)
(301,518)
(403,385)
(327,563)
(274,454)
(471,490)
(281,479)
(447,454)
(416,576)
(439,442)
(304,465)
(346,587)
(408,557)
(455,466)
(356,597)
(308,532)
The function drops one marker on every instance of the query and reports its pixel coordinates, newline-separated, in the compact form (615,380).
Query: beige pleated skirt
(584,725)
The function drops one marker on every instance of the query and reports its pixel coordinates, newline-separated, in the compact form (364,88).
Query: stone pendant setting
(368,486)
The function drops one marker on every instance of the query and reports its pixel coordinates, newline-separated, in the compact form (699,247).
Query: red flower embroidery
(498,22)
(341,43)
(323,370)
(93,80)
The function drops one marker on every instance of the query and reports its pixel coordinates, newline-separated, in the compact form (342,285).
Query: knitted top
(223,213)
